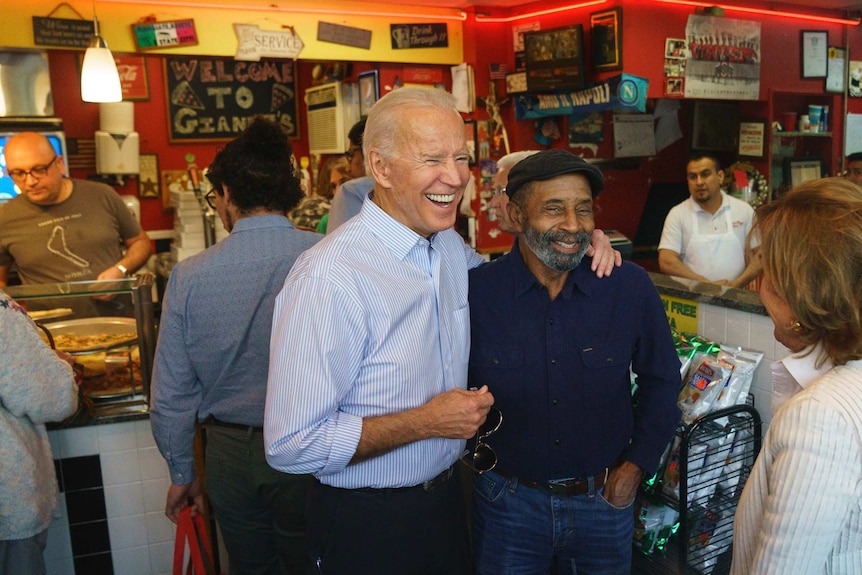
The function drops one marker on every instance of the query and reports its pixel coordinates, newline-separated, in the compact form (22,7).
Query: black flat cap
(549,164)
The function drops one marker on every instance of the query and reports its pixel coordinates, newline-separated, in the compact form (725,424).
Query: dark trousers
(261,511)
(406,531)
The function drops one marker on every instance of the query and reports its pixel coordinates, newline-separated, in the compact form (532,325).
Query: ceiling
(842,5)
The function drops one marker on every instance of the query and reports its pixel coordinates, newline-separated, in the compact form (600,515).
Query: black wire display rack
(712,458)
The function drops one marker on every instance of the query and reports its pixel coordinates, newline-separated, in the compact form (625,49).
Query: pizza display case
(109,328)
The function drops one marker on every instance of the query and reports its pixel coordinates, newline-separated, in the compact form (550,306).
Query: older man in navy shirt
(572,449)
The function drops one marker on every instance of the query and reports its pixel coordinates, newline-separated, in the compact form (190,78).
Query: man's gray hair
(381,129)
(510,160)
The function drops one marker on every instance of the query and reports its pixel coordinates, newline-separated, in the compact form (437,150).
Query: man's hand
(604,256)
(455,414)
(458,414)
(622,484)
(178,496)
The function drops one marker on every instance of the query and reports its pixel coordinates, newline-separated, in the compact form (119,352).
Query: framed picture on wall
(148,176)
(369,91)
(815,45)
(752,138)
(606,30)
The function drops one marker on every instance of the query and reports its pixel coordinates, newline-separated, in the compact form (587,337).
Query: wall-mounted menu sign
(62,32)
(213,98)
(165,34)
(419,36)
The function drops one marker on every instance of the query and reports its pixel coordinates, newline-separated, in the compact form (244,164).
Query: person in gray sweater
(36,386)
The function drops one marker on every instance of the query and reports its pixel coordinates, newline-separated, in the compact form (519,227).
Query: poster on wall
(722,59)
(212,98)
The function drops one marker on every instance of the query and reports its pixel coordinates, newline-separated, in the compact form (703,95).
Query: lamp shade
(100,81)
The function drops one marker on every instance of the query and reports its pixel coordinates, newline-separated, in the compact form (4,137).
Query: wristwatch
(123,269)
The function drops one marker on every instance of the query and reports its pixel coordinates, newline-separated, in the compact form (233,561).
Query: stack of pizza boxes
(189,225)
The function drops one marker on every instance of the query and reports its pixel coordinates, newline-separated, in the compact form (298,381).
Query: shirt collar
(524,280)
(257,222)
(725,204)
(801,365)
(392,233)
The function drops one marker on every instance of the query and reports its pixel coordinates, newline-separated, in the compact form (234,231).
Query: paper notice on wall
(633,135)
(463,88)
(853,134)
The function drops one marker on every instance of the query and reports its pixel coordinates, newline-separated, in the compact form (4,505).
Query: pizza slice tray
(110,327)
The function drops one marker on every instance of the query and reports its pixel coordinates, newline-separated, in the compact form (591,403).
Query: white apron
(715,256)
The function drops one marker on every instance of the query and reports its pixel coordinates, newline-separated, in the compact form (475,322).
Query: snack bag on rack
(696,457)
(703,482)
(745,362)
(655,522)
(741,453)
(710,535)
(703,387)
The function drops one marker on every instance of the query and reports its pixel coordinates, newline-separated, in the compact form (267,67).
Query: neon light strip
(765,12)
(540,13)
(459,15)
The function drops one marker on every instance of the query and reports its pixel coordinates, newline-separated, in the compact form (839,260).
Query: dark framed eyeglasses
(483,457)
(349,154)
(37,172)
(210,198)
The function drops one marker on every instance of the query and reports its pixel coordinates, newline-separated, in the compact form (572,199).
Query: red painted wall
(645,27)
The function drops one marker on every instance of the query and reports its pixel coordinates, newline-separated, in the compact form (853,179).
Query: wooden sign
(254,43)
(165,34)
(133,77)
(211,98)
(419,36)
(62,32)
(344,35)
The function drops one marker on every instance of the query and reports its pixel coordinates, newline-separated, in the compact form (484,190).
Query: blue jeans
(520,530)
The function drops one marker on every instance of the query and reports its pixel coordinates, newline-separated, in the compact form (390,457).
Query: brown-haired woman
(801,509)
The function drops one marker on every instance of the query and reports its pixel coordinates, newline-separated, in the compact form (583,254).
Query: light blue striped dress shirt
(364,328)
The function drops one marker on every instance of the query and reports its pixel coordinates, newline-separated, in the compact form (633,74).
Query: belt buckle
(439,480)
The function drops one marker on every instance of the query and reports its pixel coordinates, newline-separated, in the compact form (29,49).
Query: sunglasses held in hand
(483,457)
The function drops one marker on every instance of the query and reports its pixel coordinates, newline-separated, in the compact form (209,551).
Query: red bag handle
(192,530)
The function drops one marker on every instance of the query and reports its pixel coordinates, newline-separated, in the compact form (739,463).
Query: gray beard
(541,246)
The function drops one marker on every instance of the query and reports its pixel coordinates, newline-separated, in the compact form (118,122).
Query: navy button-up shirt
(559,370)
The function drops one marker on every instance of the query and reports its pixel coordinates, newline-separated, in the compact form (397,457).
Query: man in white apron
(704,237)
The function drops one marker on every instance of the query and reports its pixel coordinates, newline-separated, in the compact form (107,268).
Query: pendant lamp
(100,81)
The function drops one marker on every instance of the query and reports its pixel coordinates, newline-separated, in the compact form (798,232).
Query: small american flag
(499,71)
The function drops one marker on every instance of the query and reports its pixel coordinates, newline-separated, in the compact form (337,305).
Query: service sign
(254,43)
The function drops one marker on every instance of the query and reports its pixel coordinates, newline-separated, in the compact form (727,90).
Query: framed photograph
(369,91)
(472,135)
(815,45)
(674,87)
(516,83)
(798,170)
(148,176)
(674,48)
(606,29)
(752,138)
(555,59)
(714,126)
(835,81)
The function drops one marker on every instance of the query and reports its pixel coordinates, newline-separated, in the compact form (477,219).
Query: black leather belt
(238,426)
(429,485)
(567,488)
